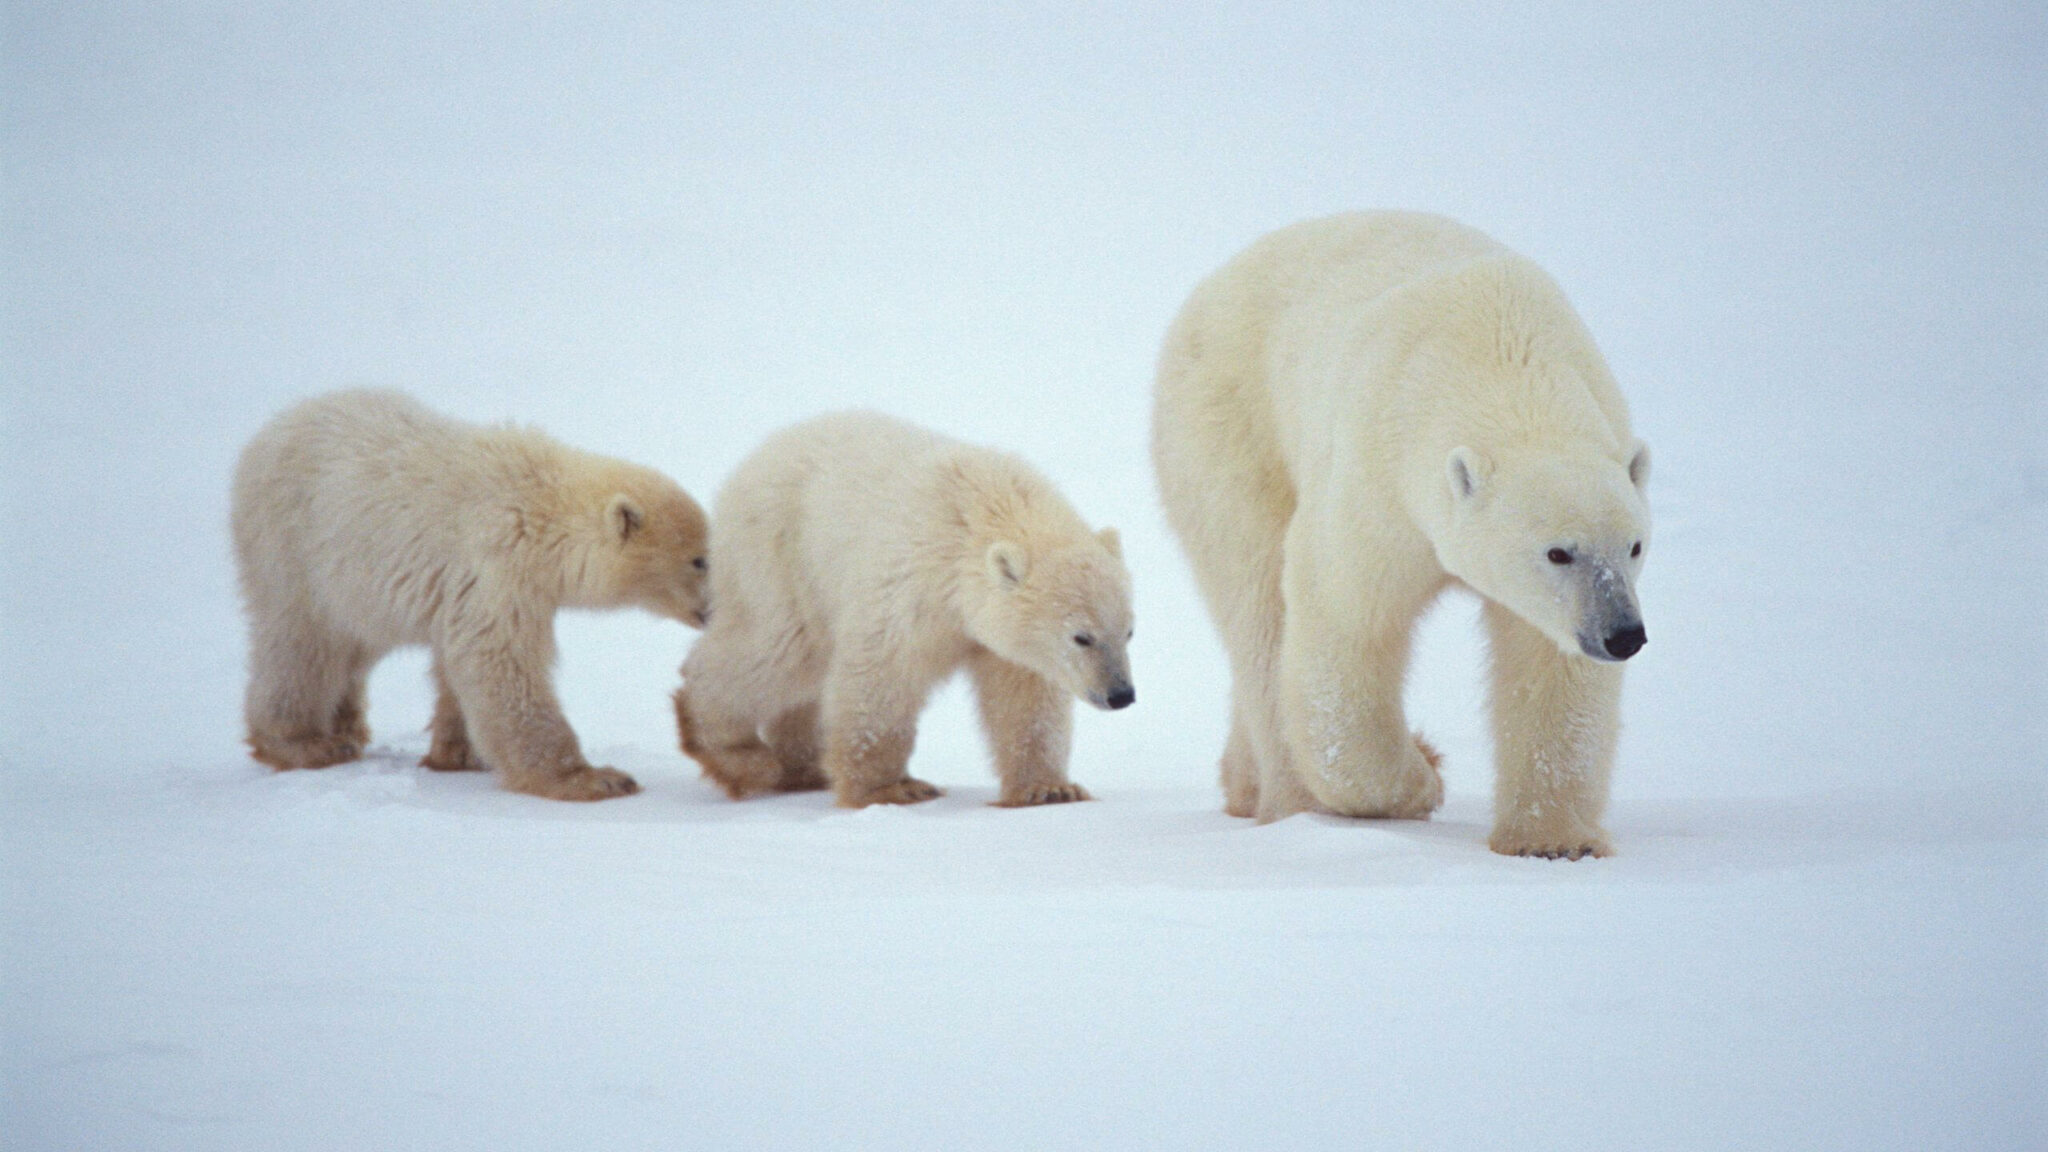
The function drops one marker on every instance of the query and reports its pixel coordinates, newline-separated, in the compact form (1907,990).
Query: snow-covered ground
(376,957)
(1811,243)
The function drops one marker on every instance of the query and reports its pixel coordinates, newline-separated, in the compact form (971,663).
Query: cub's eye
(699,564)
(1084,640)
(1559,556)
(1636,549)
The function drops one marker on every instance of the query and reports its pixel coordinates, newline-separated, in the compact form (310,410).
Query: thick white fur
(860,562)
(1353,414)
(364,522)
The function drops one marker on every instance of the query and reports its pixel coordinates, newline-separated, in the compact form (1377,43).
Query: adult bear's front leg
(1556,718)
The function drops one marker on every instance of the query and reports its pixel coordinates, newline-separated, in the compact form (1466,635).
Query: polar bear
(1353,414)
(364,522)
(861,561)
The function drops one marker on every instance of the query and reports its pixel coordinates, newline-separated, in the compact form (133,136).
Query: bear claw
(1049,794)
(908,790)
(1551,848)
(582,784)
(460,758)
(318,753)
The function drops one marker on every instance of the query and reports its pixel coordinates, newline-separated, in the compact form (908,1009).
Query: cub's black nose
(1626,642)
(1127,696)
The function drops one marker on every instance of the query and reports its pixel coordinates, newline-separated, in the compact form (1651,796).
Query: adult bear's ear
(623,517)
(1468,472)
(1639,467)
(1112,541)
(1007,564)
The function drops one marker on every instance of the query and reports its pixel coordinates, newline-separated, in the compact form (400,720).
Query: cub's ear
(623,517)
(1468,472)
(1639,466)
(1007,564)
(1112,541)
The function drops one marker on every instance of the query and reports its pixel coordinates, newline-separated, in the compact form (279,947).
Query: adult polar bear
(1354,413)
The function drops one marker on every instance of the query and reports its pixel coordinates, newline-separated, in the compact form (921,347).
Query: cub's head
(655,536)
(1556,538)
(1063,612)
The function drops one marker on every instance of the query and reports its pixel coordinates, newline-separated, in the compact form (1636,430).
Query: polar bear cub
(861,561)
(1353,414)
(364,522)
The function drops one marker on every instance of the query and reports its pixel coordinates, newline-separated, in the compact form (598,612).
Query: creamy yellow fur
(1354,414)
(860,562)
(364,522)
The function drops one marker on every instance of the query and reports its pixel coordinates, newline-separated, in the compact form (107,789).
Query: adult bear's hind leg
(1342,674)
(1240,772)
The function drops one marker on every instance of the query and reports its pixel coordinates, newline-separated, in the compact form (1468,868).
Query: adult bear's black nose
(1626,642)
(1126,696)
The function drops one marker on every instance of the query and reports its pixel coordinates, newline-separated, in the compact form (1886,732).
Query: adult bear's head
(1556,537)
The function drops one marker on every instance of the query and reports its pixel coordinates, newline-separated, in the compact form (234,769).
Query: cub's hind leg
(304,702)
(451,750)
(793,737)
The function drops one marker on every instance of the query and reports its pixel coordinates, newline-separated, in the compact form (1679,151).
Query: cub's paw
(353,729)
(1067,793)
(1550,844)
(742,772)
(319,752)
(580,784)
(452,758)
(801,778)
(908,790)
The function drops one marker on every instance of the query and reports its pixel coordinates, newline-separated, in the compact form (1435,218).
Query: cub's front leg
(868,722)
(499,674)
(1030,724)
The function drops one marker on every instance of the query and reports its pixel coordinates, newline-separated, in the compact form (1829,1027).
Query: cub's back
(328,450)
(804,513)
(357,504)
(819,482)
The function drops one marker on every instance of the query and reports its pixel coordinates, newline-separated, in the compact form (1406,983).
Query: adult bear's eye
(1635,549)
(1559,556)
(1084,640)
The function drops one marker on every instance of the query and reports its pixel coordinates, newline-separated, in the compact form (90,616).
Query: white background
(1811,243)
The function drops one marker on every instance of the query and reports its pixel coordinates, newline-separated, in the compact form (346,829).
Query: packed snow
(1811,244)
